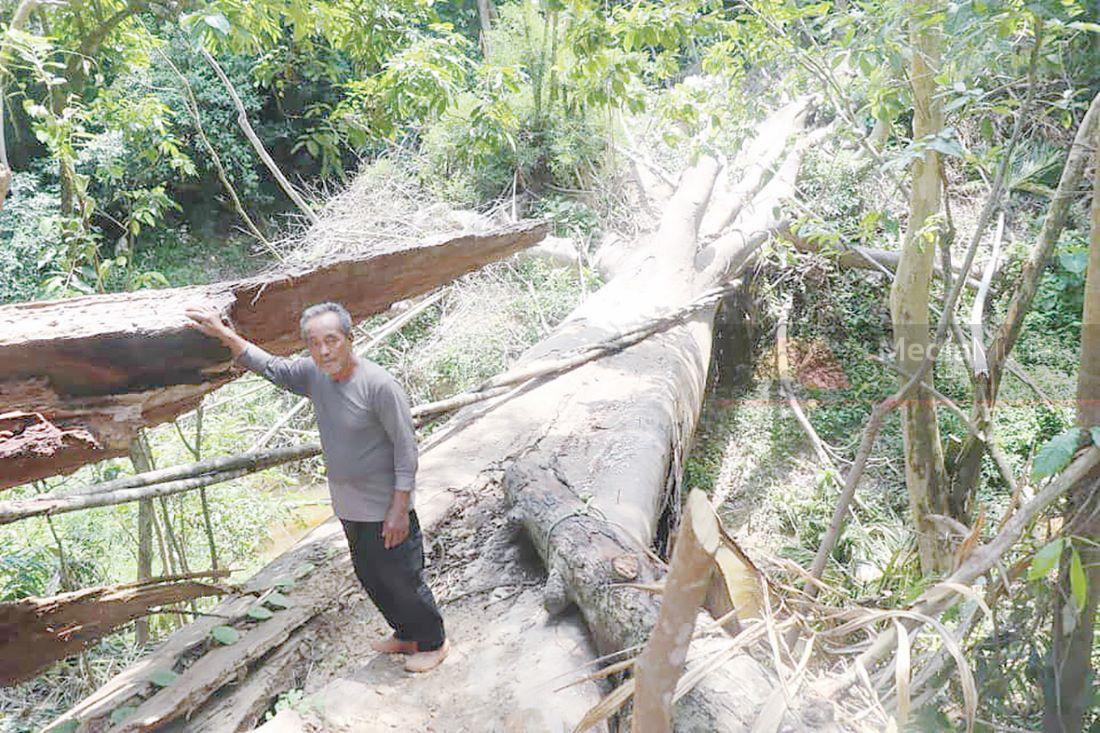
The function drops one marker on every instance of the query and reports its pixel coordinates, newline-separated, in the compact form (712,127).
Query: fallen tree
(863,258)
(609,455)
(622,461)
(309,578)
(189,477)
(79,377)
(35,632)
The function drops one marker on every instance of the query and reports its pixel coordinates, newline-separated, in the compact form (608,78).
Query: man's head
(326,329)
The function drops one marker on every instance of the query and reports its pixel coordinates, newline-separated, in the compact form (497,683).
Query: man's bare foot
(425,661)
(393,645)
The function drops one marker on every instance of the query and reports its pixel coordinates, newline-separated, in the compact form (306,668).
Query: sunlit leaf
(120,714)
(260,613)
(218,22)
(163,677)
(1045,559)
(1056,454)
(1078,581)
(277,600)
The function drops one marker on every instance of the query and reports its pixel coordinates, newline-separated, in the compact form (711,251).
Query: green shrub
(26,240)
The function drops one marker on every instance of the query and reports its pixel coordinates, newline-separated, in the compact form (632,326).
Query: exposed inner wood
(78,377)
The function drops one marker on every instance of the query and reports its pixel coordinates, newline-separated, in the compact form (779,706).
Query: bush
(25,237)
(512,125)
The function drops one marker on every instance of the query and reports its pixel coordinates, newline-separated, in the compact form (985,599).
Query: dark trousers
(394,580)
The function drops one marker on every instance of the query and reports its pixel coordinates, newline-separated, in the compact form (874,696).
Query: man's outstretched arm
(289,374)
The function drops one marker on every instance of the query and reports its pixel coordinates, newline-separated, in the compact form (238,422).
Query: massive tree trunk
(1073,682)
(924,469)
(608,453)
(79,377)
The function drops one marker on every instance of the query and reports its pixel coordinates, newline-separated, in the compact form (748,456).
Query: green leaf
(277,600)
(218,22)
(284,583)
(260,613)
(303,570)
(225,634)
(946,146)
(120,714)
(1095,434)
(1075,262)
(1078,582)
(163,677)
(1045,559)
(68,726)
(1056,454)
(1080,25)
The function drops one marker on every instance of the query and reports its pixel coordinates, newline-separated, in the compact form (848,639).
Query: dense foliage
(127,157)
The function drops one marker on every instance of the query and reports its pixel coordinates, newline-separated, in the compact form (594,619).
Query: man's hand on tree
(208,320)
(395,527)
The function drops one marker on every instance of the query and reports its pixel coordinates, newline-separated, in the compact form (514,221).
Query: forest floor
(508,663)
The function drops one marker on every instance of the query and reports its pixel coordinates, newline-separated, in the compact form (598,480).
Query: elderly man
(370,458)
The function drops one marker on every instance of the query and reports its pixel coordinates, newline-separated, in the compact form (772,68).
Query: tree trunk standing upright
(967,466)
(924,468)
(1068,695)
(145,536)
(485,13)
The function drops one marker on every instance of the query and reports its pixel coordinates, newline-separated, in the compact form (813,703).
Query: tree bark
(485,13)
(606,455)
(209,666)
(1073,683)
(80,376)
(145,538)
(924,469)
(36,632)
(662,661)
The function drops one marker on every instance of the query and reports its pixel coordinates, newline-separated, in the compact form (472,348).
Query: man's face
(329,347)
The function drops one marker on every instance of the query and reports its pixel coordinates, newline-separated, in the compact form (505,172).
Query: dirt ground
(509,663)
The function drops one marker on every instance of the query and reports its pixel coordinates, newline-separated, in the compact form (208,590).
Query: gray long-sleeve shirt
(366,430)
